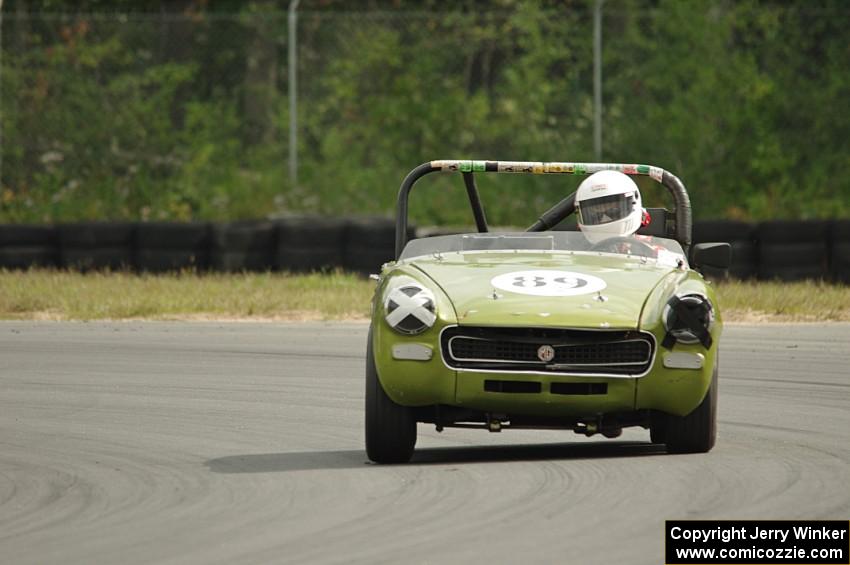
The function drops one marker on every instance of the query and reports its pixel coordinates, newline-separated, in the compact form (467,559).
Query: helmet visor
(605,209)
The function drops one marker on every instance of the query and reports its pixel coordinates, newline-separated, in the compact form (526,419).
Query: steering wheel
(611,245)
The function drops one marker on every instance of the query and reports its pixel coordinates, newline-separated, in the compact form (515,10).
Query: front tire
(390,427)
(658,427)
(696,432)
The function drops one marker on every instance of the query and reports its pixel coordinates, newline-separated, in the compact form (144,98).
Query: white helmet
(608,205)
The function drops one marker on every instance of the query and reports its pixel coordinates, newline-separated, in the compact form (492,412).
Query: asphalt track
(242,443)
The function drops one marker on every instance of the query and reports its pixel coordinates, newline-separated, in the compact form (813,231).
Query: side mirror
(714,255)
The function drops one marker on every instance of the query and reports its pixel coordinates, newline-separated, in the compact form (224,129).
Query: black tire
(741,236)
(744,259)
(164,260)
(241,261)
(369,243)
(841,261)
(793,231)
(840,251)
(791,250)
(840,230)
(707,231)
(173,235)
(92,235)
(309,243)
(244,236)
(243,246)
(112,258)
(27,235)
(390,428)
(658,428)
(793,261)
(25,257)
(696,432)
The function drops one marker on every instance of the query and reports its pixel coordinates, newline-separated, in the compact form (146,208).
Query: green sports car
(545,329)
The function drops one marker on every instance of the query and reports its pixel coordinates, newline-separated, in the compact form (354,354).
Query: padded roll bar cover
(684,221)
(401,207)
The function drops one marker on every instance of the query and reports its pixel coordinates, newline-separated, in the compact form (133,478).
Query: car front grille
(572,351)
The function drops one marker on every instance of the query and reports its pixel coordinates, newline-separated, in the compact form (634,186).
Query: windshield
(665,251)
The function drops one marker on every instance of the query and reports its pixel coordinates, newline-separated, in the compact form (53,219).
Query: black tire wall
(307,244)
(840,251)
(243,246)
(783,250)
(165,246)
(369,243)
(27,245)
(97,245)
(741,236)
(791,250)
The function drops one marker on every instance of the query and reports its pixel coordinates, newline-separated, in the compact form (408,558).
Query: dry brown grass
(808,301)
(62,295)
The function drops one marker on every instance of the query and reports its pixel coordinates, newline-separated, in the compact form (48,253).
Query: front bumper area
(556,394)
(543,395)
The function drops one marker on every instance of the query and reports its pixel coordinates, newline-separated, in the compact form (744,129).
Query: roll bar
(561,210)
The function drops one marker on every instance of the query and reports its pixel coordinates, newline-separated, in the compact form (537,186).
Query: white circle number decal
(548,283)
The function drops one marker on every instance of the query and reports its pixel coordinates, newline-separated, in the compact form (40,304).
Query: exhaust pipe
(592,427)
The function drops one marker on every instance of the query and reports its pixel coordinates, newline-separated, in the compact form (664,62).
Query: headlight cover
(688,319)
(409,307)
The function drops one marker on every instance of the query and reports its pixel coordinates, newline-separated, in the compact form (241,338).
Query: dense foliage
(178,109)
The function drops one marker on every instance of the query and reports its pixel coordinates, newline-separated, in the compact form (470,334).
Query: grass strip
(807,301)
(65,295)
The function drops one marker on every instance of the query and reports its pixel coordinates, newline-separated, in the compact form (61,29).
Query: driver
(609,208)
(609,205)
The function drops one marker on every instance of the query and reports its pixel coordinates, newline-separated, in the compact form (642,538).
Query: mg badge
(545,353)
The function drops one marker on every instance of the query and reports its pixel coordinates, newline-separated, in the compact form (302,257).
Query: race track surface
(243,443)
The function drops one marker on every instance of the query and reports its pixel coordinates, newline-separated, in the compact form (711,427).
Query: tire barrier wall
(839,251)
(166,246)
(25,245)
(242,246)
(783,250)
(96,245)
(369,243)
(793,250)
(741,236)
(310,244)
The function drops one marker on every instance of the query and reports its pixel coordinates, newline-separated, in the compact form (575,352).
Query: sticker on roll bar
(541,168)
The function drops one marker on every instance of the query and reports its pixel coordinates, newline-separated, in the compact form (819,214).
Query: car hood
(563,289)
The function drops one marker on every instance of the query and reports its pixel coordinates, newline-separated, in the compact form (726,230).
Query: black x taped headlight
(409,307)
(688,319)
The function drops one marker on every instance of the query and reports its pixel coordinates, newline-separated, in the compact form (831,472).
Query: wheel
(390,427)
(695,433)
(617,244)
(658,427)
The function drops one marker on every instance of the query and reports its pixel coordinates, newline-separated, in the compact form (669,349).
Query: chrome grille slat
(576,351)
